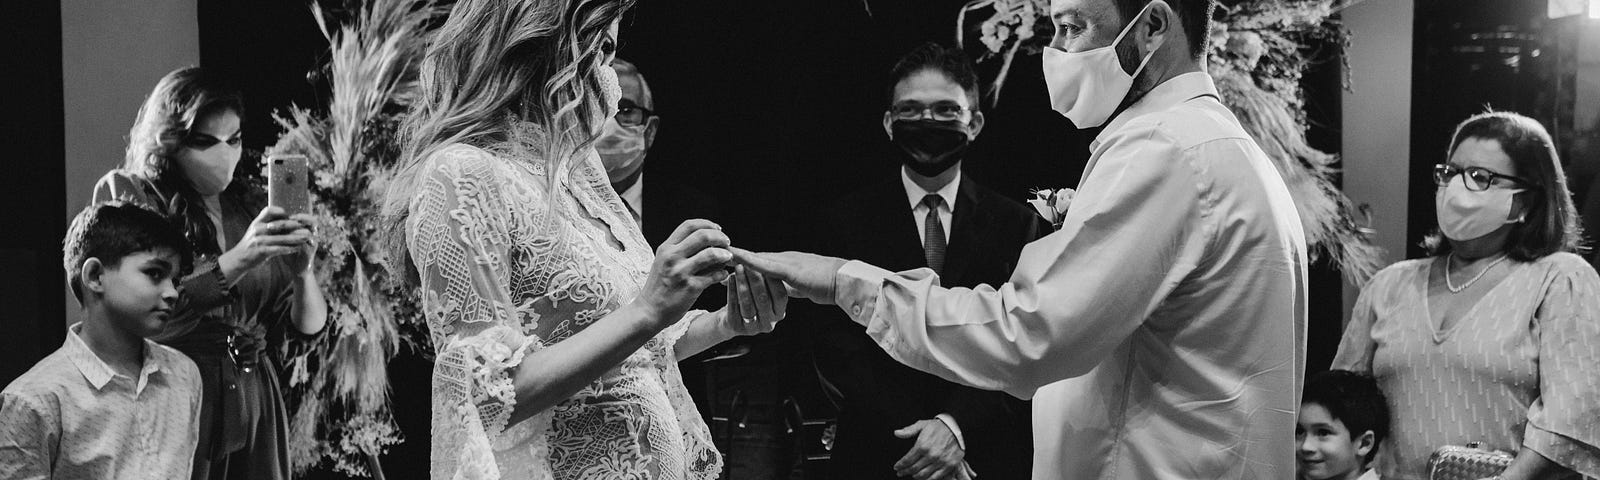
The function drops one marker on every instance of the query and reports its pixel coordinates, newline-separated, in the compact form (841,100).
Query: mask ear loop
(1125,30)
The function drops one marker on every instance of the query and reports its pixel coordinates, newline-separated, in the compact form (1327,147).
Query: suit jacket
(880,395)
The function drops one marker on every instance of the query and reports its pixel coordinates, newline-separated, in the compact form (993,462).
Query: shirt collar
(95,370)
(915,193)
(1174,91)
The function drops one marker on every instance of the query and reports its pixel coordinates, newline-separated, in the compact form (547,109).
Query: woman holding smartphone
(252,281)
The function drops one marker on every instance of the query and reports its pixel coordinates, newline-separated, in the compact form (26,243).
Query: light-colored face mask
(1466,215)
(209,168)
(1087,86)
(621,149)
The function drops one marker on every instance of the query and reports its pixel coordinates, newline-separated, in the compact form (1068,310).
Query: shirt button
(856,309)
(233,387)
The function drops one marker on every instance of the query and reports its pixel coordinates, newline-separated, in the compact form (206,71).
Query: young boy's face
(1327,449)
(141,290)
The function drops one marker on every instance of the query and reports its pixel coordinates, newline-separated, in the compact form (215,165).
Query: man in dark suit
(895,421)
(623,144)
(661,205)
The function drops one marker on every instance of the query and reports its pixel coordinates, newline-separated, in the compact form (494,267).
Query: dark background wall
(31,190)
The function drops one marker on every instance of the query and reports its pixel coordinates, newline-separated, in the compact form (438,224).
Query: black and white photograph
(800,240)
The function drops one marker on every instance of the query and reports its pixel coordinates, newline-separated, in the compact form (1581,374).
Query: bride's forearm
(559,371)
(705,331)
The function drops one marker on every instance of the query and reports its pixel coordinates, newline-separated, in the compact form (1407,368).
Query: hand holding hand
(755,303)
(271,234)
(807,276)
(935,456)
(690,260)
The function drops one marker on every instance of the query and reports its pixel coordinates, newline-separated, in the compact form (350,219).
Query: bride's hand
(692,259)
(755,302)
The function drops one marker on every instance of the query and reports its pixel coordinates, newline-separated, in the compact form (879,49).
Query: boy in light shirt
(1343,420)
(109,404)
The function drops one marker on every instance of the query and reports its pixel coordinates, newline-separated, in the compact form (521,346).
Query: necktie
(933,233)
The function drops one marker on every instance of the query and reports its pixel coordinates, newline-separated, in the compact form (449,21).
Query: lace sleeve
(701,457)
(459,237)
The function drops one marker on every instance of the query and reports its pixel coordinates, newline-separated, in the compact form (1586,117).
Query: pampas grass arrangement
(339,385)
(1259,50)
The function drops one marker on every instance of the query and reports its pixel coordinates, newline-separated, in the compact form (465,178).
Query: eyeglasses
(942,111)
(1477,178)
(630,115)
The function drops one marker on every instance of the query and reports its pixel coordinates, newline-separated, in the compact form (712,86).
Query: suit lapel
(966,226)
(655,211)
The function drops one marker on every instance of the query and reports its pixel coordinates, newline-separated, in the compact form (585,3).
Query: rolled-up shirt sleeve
(1137,227)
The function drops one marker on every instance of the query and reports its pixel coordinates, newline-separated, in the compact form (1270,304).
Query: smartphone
(288,185)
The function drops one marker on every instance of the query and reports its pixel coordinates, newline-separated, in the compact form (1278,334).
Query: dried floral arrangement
(1259,49)
(338,385)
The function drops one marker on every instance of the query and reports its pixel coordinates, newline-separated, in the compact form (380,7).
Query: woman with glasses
(1494,337)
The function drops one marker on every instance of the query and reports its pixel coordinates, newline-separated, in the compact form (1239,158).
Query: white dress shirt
(915,193)
(1160,331)
(73,417)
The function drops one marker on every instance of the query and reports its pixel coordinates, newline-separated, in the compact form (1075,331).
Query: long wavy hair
(168,117)
(496,62)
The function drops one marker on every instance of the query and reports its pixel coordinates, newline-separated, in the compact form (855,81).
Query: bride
(557,329)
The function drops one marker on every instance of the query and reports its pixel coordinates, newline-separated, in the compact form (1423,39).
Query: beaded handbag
(1470,462)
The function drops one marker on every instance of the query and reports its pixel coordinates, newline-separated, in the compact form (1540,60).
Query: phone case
(288,184)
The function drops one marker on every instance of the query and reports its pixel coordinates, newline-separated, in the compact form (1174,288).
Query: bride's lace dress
(506,273)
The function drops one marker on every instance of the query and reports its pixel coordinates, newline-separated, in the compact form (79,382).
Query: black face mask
(931,146)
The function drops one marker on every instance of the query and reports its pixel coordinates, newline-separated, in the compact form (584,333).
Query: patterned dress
(1520,369)
(507,270)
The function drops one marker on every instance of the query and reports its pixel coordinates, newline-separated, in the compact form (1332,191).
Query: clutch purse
(1470,462)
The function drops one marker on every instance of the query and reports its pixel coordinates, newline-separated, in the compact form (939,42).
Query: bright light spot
(1594,9)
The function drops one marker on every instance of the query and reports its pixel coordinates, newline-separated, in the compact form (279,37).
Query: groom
(1161,331)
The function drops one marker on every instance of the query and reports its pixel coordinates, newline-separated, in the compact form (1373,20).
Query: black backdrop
(771,107)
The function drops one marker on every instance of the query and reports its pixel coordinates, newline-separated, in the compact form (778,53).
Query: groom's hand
(807,276)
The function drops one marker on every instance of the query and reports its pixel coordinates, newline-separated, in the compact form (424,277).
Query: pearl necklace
(1452,286)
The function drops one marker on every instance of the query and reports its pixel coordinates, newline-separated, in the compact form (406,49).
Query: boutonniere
(1052,203)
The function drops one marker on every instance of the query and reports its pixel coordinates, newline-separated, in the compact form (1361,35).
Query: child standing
(109,403)
(1343,420)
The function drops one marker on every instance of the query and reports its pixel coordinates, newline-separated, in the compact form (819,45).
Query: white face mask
(1087,86)
(1466,215)
(621,149)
